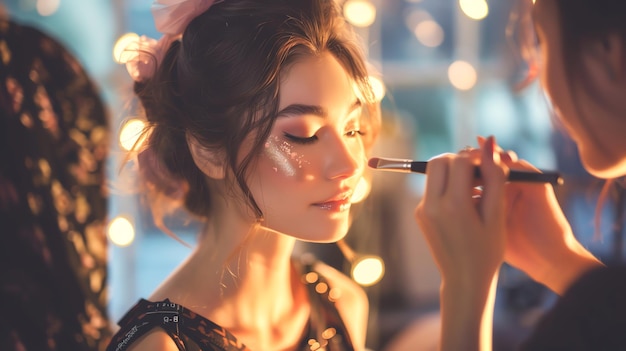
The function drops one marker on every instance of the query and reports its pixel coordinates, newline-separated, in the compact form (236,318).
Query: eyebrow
(316,110)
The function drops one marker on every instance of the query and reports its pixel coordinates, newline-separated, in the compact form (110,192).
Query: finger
(461,181)
(436,177)
(494,176)
(512,155)
(509,157)
(481,141)
(525,165)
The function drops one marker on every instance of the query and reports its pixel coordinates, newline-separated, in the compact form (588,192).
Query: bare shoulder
(352,304)
(155,340)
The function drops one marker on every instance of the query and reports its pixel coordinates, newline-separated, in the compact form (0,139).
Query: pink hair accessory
(144,55)
(171,17)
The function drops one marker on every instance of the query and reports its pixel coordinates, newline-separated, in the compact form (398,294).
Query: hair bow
(171,17)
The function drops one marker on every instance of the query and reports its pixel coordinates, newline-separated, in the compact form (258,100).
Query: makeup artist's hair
(221,83)
(585,20)
(582,21)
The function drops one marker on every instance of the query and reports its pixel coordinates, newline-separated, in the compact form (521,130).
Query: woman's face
(314,156)
(597,130)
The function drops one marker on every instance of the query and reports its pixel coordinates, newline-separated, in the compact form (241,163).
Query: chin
(602,166)
(325,236)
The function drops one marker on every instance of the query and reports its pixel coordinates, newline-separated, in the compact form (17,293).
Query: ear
(210,161)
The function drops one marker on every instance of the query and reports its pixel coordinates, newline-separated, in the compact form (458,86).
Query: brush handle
(553,178)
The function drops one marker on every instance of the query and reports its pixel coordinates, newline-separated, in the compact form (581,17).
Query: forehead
(317,80)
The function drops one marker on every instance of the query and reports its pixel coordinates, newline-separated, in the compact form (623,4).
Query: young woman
(260,117)
(583,59)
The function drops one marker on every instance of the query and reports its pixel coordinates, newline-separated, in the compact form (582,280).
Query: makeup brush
(409,166)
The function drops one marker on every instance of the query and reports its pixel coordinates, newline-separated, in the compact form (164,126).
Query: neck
(248,267)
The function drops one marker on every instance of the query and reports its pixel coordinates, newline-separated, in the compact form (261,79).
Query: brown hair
(221,82)
(582,21)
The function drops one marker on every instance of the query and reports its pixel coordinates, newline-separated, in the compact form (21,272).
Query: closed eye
(355,132)
(301,140)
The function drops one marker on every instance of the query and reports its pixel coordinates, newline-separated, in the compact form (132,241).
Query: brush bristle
(373,162)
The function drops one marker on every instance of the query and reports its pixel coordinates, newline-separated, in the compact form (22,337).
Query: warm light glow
(120,55)
(131,132)
(121,231)
(429,33)
(360,13)
(47,7)
(361,191)
(368,270)
(378,87)
(462,75)
(474,9)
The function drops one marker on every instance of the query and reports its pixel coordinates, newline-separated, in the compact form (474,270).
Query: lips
(337,203)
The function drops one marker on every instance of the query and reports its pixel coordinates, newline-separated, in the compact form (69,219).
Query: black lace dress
(191,332)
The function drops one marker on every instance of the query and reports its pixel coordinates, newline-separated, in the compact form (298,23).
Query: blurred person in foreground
(53,205)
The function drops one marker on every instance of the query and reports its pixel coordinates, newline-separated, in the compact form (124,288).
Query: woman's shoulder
(155,340)
(167,326)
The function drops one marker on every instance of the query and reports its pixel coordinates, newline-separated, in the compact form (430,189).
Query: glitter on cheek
(286,160)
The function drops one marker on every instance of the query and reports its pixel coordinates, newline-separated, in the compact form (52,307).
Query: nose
(345,158)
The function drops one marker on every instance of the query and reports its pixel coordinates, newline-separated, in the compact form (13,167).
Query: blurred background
(448,71)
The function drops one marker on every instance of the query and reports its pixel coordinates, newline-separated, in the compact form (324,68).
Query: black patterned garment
(192,332)
(53,146)
(589,316)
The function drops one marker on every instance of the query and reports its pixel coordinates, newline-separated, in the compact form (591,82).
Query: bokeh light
(360,13)
(429,33)
(121,231)
(474,9)
(462,75)
(378,87)
(47,7)
(131,132)
(368,270)
(120,55)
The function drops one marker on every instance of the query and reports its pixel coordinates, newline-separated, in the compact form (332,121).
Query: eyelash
(309,140)
(299,140)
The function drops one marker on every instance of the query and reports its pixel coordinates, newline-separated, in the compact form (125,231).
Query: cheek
(284,160)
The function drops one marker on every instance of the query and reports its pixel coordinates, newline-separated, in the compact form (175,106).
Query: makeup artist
(582,60)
